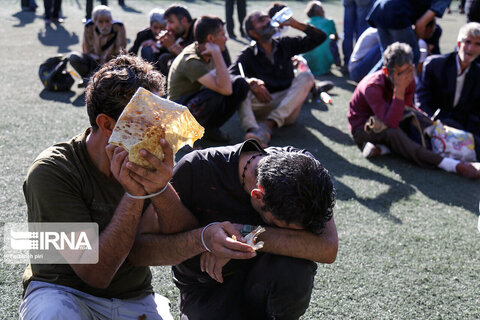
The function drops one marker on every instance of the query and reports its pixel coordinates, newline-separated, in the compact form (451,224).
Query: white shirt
(367,40)
(460,81)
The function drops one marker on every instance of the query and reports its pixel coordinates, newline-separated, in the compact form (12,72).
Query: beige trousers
(284,107)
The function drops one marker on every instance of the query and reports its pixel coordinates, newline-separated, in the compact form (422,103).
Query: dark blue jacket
(436,89)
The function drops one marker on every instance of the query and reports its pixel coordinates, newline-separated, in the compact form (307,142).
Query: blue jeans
(44,300)
(354,23)
(360,69)
(406,35)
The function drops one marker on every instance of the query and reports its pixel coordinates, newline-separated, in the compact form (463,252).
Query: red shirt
(374,96)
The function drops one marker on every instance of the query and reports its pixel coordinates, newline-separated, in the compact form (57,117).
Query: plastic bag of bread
(146,119)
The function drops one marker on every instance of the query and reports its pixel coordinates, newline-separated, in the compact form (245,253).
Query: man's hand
(118,160)
(259,90)
(153,181)
(167,40)
(401,80)
(211,49)
(218,238)
(213,265)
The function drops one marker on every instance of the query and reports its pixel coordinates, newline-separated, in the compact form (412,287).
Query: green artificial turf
(408,238)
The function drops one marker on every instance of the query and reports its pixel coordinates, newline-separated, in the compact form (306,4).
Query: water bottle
(281,16)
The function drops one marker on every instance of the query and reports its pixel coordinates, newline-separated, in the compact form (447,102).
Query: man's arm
(218,79)
(302,244)
(423,94)
(296,45)
(121,41)
(169,233)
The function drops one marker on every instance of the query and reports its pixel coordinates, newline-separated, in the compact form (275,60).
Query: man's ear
(385,71)
(210,38)
(253,34)
(257,193)
(105,124)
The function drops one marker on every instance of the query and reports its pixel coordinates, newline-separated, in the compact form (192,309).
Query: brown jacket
(93,41)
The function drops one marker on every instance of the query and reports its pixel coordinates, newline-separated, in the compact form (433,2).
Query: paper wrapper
(146,119)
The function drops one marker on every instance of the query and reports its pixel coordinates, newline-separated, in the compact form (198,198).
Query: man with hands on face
(87,180)
(276,94)
(385,94)
(199,79)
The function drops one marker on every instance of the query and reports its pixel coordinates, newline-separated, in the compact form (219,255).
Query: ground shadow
(339,167)
(24,17)
(438,185)
(55,35)
(79,100)
(130,9)
(57,96)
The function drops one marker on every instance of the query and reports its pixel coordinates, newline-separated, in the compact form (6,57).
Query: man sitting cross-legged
(276,95)
(199,79)
(385,94)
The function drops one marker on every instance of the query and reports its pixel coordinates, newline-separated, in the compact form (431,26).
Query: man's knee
(52,304)
(240,88)
(306,78)
(280,286)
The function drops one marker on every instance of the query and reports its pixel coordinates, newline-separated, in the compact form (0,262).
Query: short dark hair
(178,11)
(298,189)
(206,25)
(274,8)
(247,22)
(111,88)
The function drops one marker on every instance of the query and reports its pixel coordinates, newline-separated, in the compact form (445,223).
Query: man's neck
(246,169)
(266,46)
(463,65)
(96,144)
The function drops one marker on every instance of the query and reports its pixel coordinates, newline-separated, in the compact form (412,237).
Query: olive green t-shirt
(187,67)
(63,185)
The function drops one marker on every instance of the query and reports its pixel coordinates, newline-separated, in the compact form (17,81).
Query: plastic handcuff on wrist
(203,231)
(148,196)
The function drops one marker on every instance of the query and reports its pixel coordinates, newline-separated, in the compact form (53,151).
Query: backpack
(54,75)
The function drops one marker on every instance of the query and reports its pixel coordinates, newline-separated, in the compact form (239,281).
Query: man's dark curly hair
(111,88)
(298,189)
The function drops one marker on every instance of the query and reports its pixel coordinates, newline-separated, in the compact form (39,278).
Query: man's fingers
(168,151)
(218,272)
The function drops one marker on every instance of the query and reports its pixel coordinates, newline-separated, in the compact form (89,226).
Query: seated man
(199,79)
(86,180)
(149,39)
(451,83)
(103,39)
(321,58)
(385,94)
(230,190)
(366,54)
(276,94)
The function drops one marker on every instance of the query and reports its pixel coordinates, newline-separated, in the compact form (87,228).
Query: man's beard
(105,31)
(266,32)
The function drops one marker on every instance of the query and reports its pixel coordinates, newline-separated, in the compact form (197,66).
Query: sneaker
(57,20)
(370,150)
(260,134)
(468,170)
(324,86)
(216,135)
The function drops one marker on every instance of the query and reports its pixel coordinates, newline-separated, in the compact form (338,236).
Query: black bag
(54,75)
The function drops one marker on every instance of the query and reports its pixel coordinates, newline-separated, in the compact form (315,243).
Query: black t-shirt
(208,184)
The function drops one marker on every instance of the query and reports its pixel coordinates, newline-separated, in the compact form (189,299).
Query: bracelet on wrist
(202,233)
(148,195)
